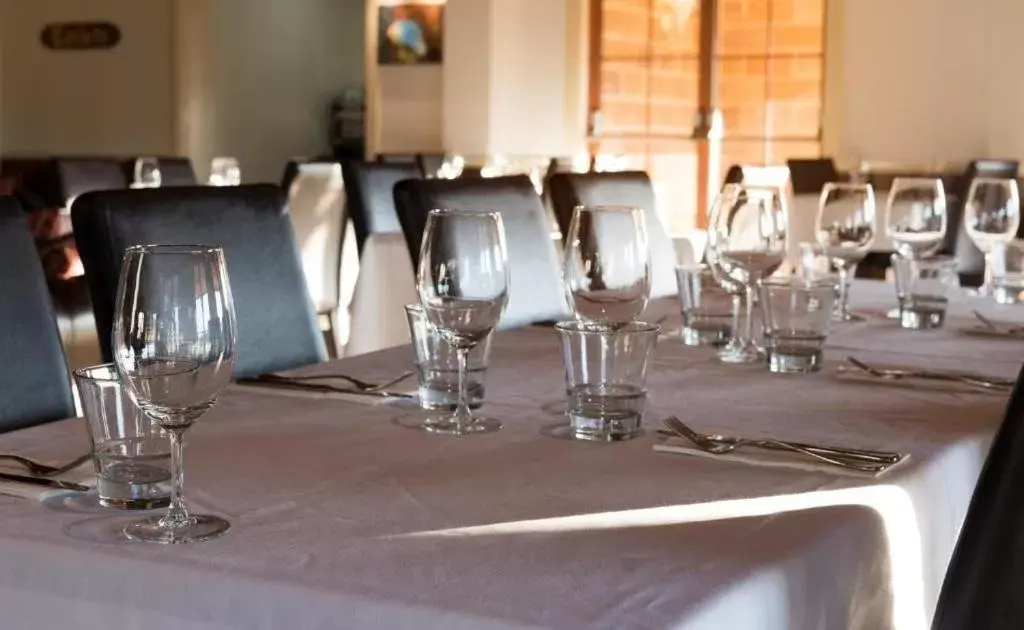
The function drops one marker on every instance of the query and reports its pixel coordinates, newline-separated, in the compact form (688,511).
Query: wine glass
(147,173)
(174,348)
(462,282)
(845,228)
(991,218)
(607,267)
(727,199)
(747,241)
(225,171)
(915,216)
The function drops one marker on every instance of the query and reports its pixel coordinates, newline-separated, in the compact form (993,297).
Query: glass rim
(931,261)
(576,326)
(162,248)
(800,283)
(414,308)
(694,266)
(917,179)
(89,371)
(623,209)
(867,186)
(455,212)
(993,180)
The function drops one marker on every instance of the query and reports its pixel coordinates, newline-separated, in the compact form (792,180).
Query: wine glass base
(848,316)
(448,426)
(203,527)
(748,354)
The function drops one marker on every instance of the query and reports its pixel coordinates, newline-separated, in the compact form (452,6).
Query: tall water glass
(462,282)
(147,173)
(991,218)
(607,265)
(915,216)
(747,240)
(174,347)
(845,228)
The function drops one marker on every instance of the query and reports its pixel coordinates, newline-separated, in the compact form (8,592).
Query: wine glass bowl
(174,348)
(915,216)
(991,218)
(462,282)
(607,268)
(845,229)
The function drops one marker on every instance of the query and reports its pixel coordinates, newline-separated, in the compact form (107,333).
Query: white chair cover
(386,283)
(317,204)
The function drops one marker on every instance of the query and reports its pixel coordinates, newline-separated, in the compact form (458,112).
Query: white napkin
(84,474)
(770,458)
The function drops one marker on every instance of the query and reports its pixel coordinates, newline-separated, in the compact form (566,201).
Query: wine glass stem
(737,306)
(748,322)
(844,289)
(177,513)
(463,417)
(987,279)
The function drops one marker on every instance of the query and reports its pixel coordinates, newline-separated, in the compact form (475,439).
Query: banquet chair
(35,387)
(624,188)
(175,171)
(316,200)
(81,175)
(809,176)
(371,204)
(535,285)
(986,573)
(970,262)
(277,327)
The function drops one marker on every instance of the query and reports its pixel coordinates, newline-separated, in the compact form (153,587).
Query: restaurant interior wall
(94,102)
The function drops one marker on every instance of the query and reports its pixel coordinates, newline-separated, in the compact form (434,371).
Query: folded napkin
(84,474)
(770,458)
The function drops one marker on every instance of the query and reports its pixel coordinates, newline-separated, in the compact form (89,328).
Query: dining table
(344,516)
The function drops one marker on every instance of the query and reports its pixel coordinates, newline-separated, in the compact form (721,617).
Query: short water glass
(132,453)
(605,374)
(798,318)
(607,266)
(225,171)
(706,308)
(437,365)
(147,173)
(1008,272)
(922,288)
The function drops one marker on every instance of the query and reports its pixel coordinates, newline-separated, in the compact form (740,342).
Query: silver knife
(39,481)
(318,387)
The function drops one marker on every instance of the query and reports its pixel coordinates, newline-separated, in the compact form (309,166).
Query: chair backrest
(277,325)
(429,163)
(624,188)
(371,202)
(176,171)
(34,382)
(316,200)
(77,176)
(535,291)
(810,176)
(985,576)
(970,261)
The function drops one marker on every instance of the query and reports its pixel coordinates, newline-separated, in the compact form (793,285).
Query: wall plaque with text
(80,35)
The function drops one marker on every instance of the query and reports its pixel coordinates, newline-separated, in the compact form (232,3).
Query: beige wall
(114,102)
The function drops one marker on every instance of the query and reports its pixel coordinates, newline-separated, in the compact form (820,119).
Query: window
(655,80)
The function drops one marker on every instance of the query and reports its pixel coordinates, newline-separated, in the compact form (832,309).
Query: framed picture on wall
(410,34)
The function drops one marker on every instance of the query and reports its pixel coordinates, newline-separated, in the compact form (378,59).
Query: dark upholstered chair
(371,201)
(810,176)
(535,291)
(34,386)
(970,261)
(81,175)
(277,326)
(626,188)
(986,574)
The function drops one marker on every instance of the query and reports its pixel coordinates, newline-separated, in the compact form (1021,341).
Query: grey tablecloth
(344,519)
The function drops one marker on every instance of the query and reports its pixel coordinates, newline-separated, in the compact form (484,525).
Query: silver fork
(360,384)
(707,444)
(894,374)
